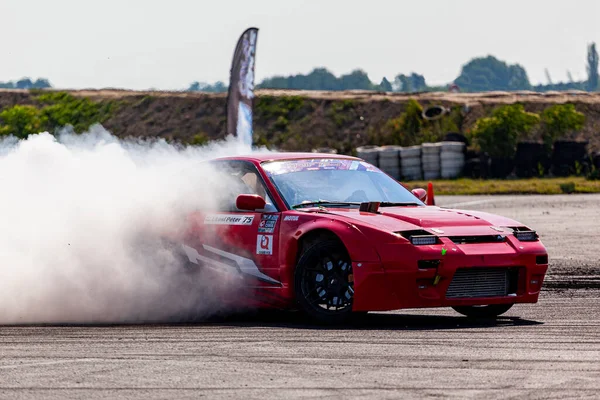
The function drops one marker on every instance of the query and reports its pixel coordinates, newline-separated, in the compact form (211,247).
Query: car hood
(443,221)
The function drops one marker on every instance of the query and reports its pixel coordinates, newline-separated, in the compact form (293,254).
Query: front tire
(489,311)
(324,283)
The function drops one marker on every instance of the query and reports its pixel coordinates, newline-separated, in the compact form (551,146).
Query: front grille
(482,282)
(477,239)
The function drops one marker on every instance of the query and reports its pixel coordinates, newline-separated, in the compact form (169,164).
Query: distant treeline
(26,83)
(478,75)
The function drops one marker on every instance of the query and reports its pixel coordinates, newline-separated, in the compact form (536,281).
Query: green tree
(199,139)
(558,120)
(320,79)
(592,68)
(356,80)
(410,83)
(21,121)
(218,87)
(26,83)
(489,73)
(385,85)
(499,134)
(41,83)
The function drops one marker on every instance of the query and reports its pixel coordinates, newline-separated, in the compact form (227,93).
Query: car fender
(359,247)
(370,289)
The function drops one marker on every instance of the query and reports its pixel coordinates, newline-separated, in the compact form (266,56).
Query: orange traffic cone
(430,198)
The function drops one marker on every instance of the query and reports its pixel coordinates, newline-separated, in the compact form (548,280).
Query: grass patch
(510,186)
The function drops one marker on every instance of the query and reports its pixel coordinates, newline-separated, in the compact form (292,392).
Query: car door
(243,242)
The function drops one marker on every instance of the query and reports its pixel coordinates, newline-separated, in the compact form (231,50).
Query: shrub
(59,109)
(558,120)
(498,135)
(281,123)
(568,187)
(199,139)
(270,107)
(63,109)
(21,121)
(434,131)
(405,129)
(594,174)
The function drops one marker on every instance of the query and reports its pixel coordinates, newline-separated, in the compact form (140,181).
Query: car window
(244,179)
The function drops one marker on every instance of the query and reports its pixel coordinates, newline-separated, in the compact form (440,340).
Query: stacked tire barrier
(369,153)
(389,160)
(596,161)
(501,167)
(430,160)
(456,137)
(530,160)
(569,157)
(410,163)
(452,159)
(476,165)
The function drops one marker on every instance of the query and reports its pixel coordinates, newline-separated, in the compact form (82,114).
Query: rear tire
(323,282)
(489,311)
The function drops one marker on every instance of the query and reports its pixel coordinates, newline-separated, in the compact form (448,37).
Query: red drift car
(333,235)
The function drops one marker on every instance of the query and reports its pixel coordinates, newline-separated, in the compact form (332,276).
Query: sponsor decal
(264,244)
(291,218)
(243,265)
(228,219)
(267,223)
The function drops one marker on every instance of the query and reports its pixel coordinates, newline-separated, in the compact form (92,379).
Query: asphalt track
(547,350)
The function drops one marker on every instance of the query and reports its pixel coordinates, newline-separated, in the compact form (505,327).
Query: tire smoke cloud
(82,221)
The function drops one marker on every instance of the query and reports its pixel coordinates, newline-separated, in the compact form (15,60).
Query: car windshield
(336,181)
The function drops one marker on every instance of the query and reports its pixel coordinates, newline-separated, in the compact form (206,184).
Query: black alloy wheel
(324,282)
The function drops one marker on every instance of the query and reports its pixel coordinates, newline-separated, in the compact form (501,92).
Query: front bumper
(398,282)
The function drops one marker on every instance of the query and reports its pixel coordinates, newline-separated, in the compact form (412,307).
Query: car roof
(276,156)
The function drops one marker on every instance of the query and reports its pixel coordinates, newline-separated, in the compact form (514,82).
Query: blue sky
(168,44)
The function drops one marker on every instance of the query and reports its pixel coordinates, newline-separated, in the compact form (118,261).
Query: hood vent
(370,207)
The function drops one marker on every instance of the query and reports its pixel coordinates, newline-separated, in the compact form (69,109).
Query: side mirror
(420,194)
(250,202)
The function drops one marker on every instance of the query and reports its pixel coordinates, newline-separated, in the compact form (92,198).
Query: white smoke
(82,220)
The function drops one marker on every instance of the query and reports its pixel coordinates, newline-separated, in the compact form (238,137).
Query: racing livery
(332,235)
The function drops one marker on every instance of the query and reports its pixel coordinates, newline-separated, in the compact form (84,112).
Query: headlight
(419,237)
(526,236)
(423,240)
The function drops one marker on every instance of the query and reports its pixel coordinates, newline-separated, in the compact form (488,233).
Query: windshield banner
(318,164)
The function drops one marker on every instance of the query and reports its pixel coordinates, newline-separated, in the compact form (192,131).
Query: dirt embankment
(303,120)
